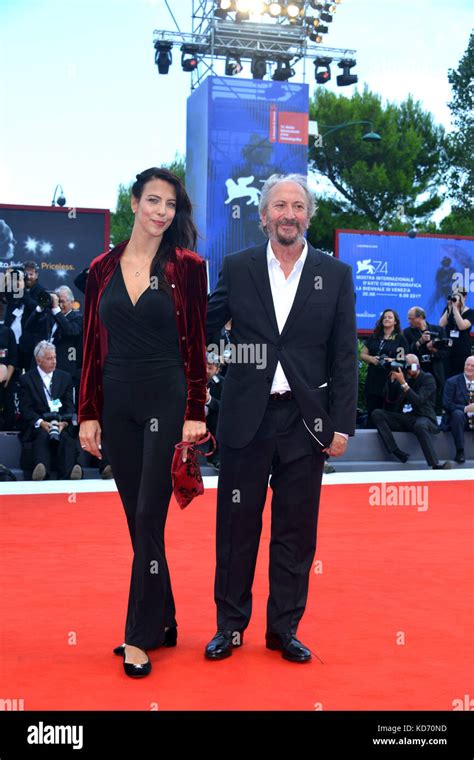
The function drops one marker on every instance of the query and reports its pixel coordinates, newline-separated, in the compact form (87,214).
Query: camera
(385,362)
(44,299)
(453,298)
(54,418)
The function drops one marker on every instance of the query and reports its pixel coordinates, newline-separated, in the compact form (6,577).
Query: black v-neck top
(142,339)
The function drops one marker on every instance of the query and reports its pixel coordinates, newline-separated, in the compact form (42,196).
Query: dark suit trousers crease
(140,455)
(422,427)
(282,448)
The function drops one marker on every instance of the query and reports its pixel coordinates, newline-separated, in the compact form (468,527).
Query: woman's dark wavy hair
(181,233)
(378,330)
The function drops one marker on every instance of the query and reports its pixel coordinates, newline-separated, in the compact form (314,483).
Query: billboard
(62,241)
(239,132)
(393,270)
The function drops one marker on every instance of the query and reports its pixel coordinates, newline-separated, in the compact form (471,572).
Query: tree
(390,184)
(460,143)
(121,220)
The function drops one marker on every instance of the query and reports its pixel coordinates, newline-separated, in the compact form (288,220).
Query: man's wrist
(344,435)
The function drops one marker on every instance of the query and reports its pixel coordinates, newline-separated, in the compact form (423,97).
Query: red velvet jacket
(186,273)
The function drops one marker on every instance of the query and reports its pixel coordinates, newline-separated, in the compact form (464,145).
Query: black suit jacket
(67,336)
(422,395)
(33,401)
(317,347)
(455,396)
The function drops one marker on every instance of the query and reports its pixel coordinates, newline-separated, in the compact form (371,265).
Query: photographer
(213,395)
(47,410)
(22,291)
(8,363)
(457,318)
(413,393)
(56,321)
(429,343)
(385,345)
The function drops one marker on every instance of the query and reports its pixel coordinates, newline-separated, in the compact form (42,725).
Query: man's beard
(272,231)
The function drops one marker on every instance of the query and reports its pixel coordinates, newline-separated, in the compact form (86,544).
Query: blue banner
(239,132)
(394,271)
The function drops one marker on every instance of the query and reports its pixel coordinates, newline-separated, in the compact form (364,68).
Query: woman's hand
(90,437)
(192,432)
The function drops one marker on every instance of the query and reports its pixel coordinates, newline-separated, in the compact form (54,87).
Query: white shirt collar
(299,263)
(44,374)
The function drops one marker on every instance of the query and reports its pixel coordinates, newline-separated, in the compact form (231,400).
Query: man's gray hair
(277,179)
(65,289)
(42,346)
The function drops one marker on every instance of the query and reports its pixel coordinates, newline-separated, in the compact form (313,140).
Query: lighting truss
(214,38)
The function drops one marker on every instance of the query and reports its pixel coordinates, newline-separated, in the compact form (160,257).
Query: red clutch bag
(186,476)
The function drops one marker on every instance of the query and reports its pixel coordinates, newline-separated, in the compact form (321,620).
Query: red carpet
(389,574)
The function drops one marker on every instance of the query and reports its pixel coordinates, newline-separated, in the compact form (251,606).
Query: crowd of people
(414,376)
(419,373)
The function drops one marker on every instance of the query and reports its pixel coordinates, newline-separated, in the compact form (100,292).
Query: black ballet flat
(136,671)
(171,637)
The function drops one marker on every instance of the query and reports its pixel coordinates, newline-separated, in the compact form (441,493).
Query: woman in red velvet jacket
(143,386)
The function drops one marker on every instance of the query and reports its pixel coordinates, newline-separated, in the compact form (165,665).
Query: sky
(82,104)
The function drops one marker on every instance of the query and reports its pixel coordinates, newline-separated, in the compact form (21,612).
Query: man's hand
(192,432)
(469,408)
(45,425)
(337,447)
(62,425)
(398,375)
(54,300)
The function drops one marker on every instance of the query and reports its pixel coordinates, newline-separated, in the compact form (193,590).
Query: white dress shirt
(47,378)
(283,294)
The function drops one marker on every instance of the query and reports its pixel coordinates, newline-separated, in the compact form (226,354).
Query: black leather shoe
(136,671)
(460,457)
(171,637)
(291,649)
(444,466)
(222,644)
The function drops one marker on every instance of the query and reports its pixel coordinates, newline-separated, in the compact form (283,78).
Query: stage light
(225,5)
(274,9)
(163,56)
(257,7)
(220,13)
(316,38)
(233,66)
(326,17)
(189,64)
(322,71)
(346,78)
(243,6)
(258,68)
(283,72)
(293,10)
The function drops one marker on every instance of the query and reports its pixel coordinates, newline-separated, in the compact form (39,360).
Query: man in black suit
(289,398)
(459,409)
(43,390)
(413,394)
(429,349)
(8,364)
(62,325)
(22,293)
